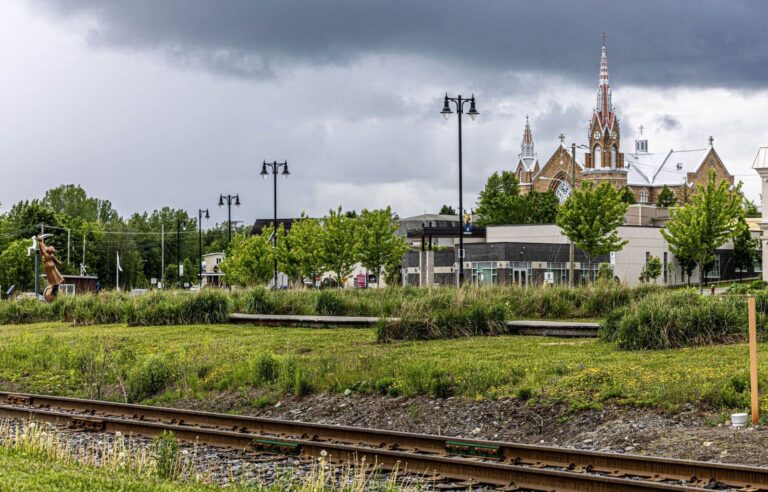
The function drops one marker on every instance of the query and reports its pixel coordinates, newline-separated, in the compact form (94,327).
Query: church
(602,160)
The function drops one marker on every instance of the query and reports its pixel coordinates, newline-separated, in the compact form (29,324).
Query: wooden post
(753,360)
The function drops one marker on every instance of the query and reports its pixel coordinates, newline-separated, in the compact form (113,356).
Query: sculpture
(49,261)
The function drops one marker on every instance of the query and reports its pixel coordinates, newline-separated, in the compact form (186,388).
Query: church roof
(659,169)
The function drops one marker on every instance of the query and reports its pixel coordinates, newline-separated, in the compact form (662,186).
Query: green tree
(626,196)
(379,248)
(541,207)
(302,250)
(72,200)
(500,201)
(447,210)
(651,270)
(16,268)
(339,241)
(751,210)
(591,216)
(698,228)
(666,198)
(745,247)
(249,261)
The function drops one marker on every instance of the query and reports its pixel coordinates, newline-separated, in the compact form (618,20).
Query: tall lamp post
(229,199)
(275,167)
(179,267)
(459,103)
(200,216)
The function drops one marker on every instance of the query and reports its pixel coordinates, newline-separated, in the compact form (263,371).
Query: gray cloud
(653,42)
(668,122)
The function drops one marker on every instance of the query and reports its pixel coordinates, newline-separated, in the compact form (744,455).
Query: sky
(154,103)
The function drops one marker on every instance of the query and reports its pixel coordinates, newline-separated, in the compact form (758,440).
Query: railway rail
(503,465)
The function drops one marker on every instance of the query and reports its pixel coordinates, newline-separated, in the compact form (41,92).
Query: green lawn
(166,364)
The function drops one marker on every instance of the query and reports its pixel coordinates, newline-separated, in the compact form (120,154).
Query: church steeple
(604,133)
(527,148)
(604,106)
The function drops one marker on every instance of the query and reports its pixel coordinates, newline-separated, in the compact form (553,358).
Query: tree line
(89,231)
(312,247)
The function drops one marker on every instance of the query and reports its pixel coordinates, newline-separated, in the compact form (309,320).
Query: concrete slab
(546,328)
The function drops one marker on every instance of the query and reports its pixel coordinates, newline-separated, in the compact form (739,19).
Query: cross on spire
(603,38)
(641,130)
(562,138)
(711,140)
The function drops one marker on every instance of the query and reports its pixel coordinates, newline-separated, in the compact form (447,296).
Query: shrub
(331,303)
(257,301)
(676,319)
(265,368)
(153,376)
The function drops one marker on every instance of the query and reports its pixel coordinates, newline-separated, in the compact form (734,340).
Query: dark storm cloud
(658,42)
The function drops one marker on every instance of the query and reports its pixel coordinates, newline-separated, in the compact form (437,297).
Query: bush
(331,303)
(676,319)
(265,368)
(153,376)
(257,301)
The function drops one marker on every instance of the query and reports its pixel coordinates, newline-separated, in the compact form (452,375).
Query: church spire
(603,65)
(527,147)
(604,106)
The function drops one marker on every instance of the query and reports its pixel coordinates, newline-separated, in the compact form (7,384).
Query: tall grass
(676,319)
(437,312)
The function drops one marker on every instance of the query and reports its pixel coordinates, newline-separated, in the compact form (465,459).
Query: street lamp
(229,199)
(275,167)
(459,103)
(179,268)
(200,216)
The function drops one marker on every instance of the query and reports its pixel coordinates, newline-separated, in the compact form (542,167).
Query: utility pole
(69,248)
(162,254)
(571,252)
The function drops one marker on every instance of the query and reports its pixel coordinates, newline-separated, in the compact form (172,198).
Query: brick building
(602,159)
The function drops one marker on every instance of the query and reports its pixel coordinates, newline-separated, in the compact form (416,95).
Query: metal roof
(659,169)
(761,159)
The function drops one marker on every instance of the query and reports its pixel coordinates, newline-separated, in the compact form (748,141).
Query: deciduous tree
(339,244)
(699,227)
(379,248)
(591,216)
(249,261)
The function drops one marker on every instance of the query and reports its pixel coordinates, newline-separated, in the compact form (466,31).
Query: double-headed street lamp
(275,167)
(200,216)
(459,103)
(229,199)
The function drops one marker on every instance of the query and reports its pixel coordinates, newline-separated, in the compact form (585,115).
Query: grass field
(168,364)
(24,471)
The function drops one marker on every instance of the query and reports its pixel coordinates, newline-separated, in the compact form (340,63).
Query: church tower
(604,160)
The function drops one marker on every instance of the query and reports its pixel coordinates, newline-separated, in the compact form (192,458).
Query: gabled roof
(659,169)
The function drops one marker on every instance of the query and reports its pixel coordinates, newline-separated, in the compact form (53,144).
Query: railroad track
(502,465)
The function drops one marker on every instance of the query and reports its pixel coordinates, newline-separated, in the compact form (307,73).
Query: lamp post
(229,199)
(200,216)
(459,103)
(179,268)
(275,167)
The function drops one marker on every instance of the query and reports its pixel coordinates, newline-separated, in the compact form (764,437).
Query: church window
(643,196)
(614,157)
(563,190)
(598,155)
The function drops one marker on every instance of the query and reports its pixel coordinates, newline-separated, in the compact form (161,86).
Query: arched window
(643,196)
(597,155)
(614,157)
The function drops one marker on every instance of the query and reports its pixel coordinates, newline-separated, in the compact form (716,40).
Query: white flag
(119,268)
